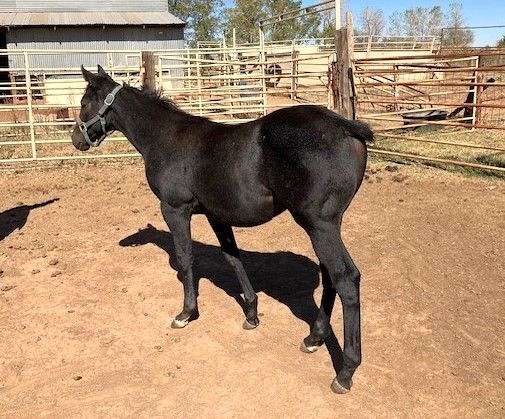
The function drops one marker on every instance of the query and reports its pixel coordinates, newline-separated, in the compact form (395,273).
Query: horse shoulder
(169,180)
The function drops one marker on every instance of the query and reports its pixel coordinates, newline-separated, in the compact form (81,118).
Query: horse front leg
(179,223)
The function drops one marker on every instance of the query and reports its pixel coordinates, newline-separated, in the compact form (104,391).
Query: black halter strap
(85,126)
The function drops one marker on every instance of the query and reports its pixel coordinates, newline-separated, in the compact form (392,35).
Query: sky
(476,12)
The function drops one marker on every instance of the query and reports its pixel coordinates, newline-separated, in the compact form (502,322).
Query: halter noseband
(84,126)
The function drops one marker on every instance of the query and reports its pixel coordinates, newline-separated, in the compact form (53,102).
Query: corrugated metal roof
(80,5)
(88,18)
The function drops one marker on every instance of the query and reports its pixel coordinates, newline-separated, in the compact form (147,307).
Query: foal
(306,160)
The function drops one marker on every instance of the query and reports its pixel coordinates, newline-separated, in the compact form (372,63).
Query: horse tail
(356,129)
(359,130)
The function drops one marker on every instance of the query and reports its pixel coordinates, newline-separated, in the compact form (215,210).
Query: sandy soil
(86,300)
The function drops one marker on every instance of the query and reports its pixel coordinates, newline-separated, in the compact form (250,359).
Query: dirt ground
(86,300)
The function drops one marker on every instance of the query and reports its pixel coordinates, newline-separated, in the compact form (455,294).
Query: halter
(84,126)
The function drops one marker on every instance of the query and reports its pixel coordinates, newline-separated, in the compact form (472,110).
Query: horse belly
(244,209)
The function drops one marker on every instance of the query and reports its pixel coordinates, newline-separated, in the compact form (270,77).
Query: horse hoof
(250,326)
(308,349)
(338,388)
(179,324)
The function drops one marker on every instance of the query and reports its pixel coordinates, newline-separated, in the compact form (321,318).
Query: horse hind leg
(321,328)
(344,279)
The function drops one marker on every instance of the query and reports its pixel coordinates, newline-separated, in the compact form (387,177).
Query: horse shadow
(289,278)
(16,218)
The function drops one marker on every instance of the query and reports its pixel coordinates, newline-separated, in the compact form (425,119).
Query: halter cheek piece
(84,126)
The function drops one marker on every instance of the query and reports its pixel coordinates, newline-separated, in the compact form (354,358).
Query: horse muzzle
(79,141)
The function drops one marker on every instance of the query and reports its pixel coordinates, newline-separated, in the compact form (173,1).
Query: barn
(86,25)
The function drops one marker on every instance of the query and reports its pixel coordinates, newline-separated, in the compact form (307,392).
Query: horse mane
(156,95)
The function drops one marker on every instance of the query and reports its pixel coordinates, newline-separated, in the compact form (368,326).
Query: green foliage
(202,17)
(245,16)
(305,27)
(207,20)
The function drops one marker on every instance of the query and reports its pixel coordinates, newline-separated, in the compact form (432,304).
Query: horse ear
(88,75)
(101,71)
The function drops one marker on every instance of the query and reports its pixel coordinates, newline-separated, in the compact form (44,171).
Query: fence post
(395,87)
(31,121)
(331,97)
(160,73)
(263,58)
(294,78)
(199,83)
(342,69)
(477,110)
(149,70)
(14,90)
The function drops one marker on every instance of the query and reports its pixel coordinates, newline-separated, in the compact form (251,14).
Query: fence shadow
(285,276)
(16,218)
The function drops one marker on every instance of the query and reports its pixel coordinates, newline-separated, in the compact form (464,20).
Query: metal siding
(19,19)
(75,5)
(89,38)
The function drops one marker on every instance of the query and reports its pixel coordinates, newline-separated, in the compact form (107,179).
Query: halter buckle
(109,99)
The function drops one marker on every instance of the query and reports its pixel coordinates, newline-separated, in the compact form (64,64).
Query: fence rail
(465,92)
(362,43)
(38,103)
(447,108)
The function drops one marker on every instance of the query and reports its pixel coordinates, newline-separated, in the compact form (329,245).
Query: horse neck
(142,120)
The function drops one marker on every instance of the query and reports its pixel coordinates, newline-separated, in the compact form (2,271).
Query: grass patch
(483,138)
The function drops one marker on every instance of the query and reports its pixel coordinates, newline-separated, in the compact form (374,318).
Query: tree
(327,19)
(455,35)
(501,42)
(202,18)
(371,22)
(245,16)
(304,27)
(417,22)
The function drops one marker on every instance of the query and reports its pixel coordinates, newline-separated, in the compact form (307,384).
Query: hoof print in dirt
(399,178)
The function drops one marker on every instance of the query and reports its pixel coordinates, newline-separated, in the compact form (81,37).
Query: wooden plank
(149,70)
(341,70)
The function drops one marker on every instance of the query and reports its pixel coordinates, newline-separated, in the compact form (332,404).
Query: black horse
(307,160)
